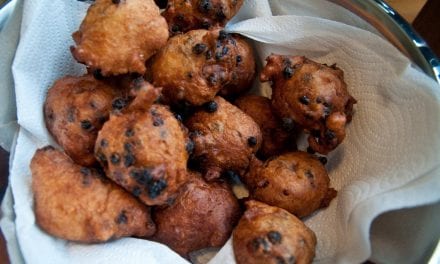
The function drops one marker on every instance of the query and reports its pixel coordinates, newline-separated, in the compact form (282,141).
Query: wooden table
(425,21)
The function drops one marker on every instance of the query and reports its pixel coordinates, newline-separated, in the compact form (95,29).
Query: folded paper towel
(388,161)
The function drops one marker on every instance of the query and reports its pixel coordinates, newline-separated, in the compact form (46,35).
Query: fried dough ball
(74,112)
(276,138)
(184,15)
(143,148)
(195,66)
(224,138)
(313,95)
(119,36)
(77,203)
(203,215)
(267,234)
(295,181)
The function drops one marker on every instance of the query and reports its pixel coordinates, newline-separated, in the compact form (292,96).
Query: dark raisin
(115,158)
(136,192)
(288,124)
(212,79)
(208,55)
(178,117)
(97,74)
(309,174)
(288,72)
(101,157)
(329,134)
(85,171)
(286,192)
(252,141)
(156,187)
(238,59)
(104,143)
(122,218)
(86,180)
(259,242)
(218,55)
(211,106)
(310,150)
(222,35)
(137,83)
(274,237)
(199,48)
(323,160)
(129,160)
(304,100)
(319,100)
(86,124)
(205,6)
(128,147)
(189,74)
(129,132)
(157,121)
(116,1)
(142,176)
(119,103)
(189,146)
(225,50)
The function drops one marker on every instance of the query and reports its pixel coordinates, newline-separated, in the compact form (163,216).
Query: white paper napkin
(388,161)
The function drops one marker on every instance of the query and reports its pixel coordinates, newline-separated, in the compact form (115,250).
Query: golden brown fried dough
(74,112)
(203,215)
(276,138)
(185,15)
(143,148)
(295,181)
(195,66)
(224,138)
(77,203)
(119,36)
(267,235)
(313,95)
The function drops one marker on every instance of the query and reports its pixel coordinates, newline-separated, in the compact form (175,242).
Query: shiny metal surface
(397,30)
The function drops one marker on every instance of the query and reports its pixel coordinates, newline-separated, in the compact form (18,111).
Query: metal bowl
(397,30)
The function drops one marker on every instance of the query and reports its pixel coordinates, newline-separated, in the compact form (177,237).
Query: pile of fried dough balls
(160,129)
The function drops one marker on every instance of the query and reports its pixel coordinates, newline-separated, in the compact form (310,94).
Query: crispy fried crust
(225,139)
(294,181)
(118,37)
(77,203)
(203,215)
(267,235)
(195,66)
(75,110)
(313,95)
(143,149)
(276,138)
(185,15)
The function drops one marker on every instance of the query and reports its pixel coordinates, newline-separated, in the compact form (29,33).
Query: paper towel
(388,161)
